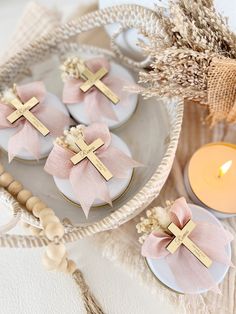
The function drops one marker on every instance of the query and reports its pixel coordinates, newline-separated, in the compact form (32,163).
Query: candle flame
(225,168)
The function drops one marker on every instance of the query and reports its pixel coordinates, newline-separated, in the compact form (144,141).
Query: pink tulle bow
(190,274)
(26,136)
(87,183)
(97,106)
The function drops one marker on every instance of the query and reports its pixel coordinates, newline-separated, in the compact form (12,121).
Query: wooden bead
(48,263)
(15,187)
(1,169)
(46,220)
(38,207)
(31,202)
(71,267)
(46,211)
(56,252)
(63,265)
(23,196)
(54,229)
(6,179)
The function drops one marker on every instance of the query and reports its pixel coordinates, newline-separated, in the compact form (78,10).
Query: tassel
(91,304)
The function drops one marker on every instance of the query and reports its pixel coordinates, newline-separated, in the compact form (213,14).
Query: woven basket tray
(152,133)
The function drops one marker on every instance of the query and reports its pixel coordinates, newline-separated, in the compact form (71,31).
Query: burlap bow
(221,90)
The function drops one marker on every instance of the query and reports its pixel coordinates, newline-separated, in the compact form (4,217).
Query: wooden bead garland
(14,188)
(48,263)
(6,179)
(38,208)
(31,202)
(45,211)
(23,196)
(56,251)
(49,219)
(53,230)
(55,257)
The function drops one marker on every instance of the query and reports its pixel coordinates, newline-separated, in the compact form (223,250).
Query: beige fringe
(91,304)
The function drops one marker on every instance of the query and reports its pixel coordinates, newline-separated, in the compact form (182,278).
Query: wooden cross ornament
(94,79)
(87,151)
(24,110)
(181,238)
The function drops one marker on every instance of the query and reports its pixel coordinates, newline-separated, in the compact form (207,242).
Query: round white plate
(116,186)
(123,111)
(162,271)
(46,142)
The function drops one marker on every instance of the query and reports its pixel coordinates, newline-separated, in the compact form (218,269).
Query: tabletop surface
(25,287)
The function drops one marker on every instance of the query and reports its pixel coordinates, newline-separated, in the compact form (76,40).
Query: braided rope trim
(128,16)
(66,49)
(131,16)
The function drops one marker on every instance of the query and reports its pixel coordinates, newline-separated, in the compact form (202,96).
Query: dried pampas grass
(192,34)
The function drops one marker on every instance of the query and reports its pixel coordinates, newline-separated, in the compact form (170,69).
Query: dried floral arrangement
(193,57)
(157,219)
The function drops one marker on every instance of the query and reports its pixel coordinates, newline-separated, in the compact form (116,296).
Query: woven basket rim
(143,19)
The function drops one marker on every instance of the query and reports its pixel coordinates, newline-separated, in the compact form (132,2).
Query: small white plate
(161,270)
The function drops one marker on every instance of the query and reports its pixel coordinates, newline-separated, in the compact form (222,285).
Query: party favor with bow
(29,109)
(88,176)
(100,101)
(190,248)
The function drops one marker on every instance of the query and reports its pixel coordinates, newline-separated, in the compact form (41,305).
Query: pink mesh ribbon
(26,136)
(97,106)
(87,183)
(190,274)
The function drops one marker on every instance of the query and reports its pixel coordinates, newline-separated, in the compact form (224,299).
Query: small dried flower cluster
(8,95)
(157,219)
(191,35)
(72,67)
(69,137)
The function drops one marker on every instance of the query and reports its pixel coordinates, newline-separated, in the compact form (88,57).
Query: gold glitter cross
(87,151)
(181,238)
(24,110)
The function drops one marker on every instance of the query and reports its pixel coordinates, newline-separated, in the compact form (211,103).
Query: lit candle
(210,178)
(224,168)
